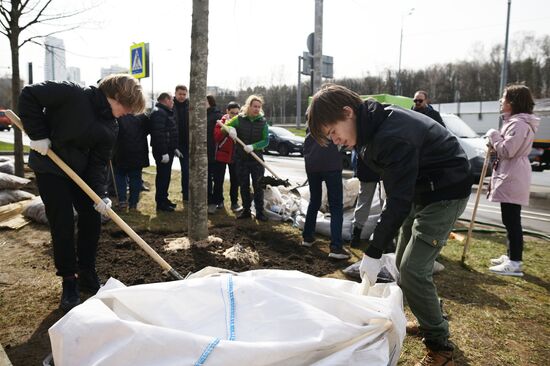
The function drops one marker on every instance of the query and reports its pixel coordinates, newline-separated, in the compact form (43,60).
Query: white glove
(232,132)
(165,159)
(41,146)
(177,153)
(103,206)
(248,149)
(370,267)
(488,135)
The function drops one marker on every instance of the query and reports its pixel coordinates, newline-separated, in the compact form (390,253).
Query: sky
(257,42)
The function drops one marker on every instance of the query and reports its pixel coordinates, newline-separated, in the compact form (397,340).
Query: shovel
(112,214)
(479,188)
(273,181)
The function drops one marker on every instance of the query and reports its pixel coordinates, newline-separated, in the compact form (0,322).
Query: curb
(532,194)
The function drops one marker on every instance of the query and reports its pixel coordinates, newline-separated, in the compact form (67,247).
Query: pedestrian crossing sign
(139,60)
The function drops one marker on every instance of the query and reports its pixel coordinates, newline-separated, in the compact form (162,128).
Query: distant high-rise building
(55,65)
(73,74)
(113,69)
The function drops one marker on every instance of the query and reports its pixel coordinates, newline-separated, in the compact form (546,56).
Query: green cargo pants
(421,238)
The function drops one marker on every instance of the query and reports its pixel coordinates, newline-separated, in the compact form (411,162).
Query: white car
(473,145)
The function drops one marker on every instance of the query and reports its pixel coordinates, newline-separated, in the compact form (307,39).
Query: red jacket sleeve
(218,133)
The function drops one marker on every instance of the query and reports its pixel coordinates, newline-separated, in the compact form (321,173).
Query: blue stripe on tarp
(231,337)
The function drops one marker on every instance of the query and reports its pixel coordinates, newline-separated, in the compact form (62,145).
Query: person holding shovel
(251,126)
(79,124)
(426,175)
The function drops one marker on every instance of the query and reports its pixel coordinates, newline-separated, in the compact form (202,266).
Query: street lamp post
(400,50)
(504,71)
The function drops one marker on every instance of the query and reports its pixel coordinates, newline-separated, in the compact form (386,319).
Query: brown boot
(412,328)
(437,358)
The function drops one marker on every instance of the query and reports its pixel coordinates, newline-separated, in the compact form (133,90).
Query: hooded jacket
(164,132)
(131,150)
(419,161)
(80,124)
(321,158)
(511,178)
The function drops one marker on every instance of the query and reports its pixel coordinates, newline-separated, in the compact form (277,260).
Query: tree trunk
(198,162)
(15,90)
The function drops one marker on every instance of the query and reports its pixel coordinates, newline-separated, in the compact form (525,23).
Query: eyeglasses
(418,101)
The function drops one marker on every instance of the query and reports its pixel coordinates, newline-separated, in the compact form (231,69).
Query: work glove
(370,268)
(177,153)
(41,146)
(103,206)
(232,132)
(165,159)
(248,149)
(489,136)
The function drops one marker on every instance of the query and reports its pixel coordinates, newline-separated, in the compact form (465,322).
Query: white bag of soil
(263,317)
(13,195)
(9,181)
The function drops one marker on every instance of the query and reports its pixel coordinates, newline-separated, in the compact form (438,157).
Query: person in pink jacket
(511,178)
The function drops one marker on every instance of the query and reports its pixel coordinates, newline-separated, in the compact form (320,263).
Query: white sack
(6,166)
(13,195)
(9,181)
(280,318)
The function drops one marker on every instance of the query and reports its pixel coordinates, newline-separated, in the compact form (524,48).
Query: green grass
(297,131)
(6,146)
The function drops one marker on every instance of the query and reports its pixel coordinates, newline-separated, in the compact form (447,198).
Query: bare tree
(16,17)
(198,162)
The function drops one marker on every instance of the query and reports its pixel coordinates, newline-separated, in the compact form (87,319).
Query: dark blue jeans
(216,177)
(248,169)
(162,180)
(128,177)
(184,163)
(333,181)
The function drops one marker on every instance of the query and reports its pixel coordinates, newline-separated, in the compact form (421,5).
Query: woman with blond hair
(79,124)
(511,178)
(251,127)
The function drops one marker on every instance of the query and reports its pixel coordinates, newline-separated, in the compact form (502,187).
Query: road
(536,217)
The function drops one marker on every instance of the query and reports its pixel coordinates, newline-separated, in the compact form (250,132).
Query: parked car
(473,145)
(5,123)
(284,142)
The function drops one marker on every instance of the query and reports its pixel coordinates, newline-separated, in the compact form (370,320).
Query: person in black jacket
(421,105)
(131,155)
(79,124)
(215,184)
(181,114)
(164,141)
(324,165)
(426,175)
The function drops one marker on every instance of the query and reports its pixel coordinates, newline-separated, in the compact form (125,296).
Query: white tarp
(262,317)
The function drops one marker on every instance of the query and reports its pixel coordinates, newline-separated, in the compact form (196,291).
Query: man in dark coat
(79,125)
(131,156)
(181,114)
(426,175)
(164,141)
(214,186)
(421,105)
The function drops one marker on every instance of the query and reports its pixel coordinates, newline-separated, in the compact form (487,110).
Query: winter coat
(213,114)
(432,113)
(364,173)
(131,150)
(78,121)
(419,161)
(321,158)
(511,178)
(252,132)
(164,132)
(181,114)
(225,146)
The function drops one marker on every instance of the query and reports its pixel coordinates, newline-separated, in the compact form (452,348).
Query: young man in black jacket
(181,114)
(79,124)
(164,141)
(215,168)
(426,174)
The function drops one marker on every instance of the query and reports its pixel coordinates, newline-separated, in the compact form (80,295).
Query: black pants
(251,169)
(234,183)
(59,195)
(216,175)
(162,180)
(511,218)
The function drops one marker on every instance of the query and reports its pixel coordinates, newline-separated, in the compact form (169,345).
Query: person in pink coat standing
(511,178)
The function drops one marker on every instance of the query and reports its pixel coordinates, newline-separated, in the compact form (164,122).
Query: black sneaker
(70,296)
(260,216)
(339,253)
(245,214)
(88,281)
(171,204)
(356,237)
(165,207)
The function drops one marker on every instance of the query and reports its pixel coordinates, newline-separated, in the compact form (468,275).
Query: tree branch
(37,17)
(31,39)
